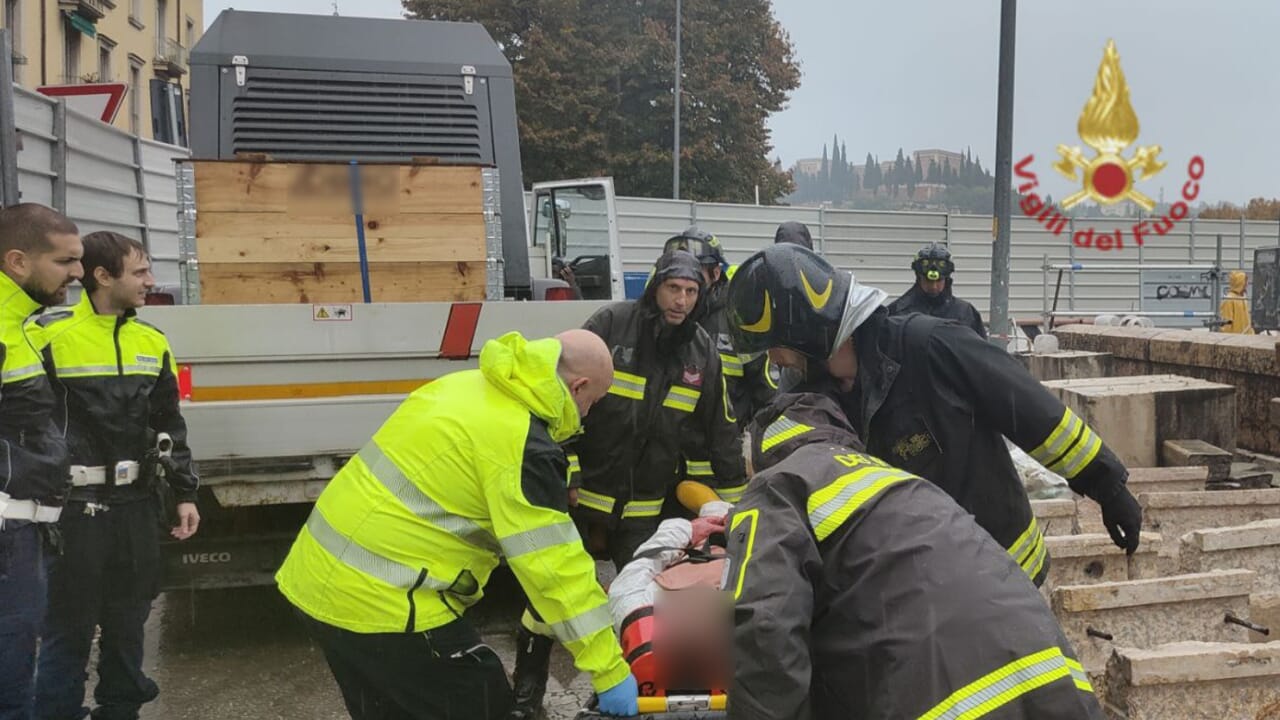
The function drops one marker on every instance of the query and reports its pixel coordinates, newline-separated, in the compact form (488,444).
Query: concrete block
(1088,516)
(1254,546)
(1243,476)
(1182,452)
(1093,558)
(1134,415)
(1264,609)
(1195,681)
(1056,517)
(1275,411)
(1148,613)
(1167,479)
(1068,365)
(1175,514)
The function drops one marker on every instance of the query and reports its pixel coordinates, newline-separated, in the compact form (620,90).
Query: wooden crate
(274,232)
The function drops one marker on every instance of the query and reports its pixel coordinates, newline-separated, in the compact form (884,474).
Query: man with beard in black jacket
(667,397)
(928,396)
(749,379)
(932,293)
(862,591)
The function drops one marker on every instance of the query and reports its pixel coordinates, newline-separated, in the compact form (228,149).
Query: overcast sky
(920,74)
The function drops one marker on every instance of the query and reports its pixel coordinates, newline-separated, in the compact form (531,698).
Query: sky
(922,74)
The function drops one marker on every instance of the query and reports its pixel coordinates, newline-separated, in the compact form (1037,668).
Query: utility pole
(675,145)
(1000,250)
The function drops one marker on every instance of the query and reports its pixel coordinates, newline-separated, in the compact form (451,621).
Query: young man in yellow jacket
(402,541)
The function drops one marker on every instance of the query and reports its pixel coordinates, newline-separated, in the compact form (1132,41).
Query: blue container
(633,282)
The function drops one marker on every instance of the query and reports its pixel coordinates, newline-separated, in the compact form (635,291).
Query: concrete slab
(1134,415)
(1183,452)
(1195,681)
(1088,516)
(1253,546)
(1094,558)
(1148,613)
(1175,514)
(1068,365)
(1167,479)
(1056,517)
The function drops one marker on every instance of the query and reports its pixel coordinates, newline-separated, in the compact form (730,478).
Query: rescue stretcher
(638,628)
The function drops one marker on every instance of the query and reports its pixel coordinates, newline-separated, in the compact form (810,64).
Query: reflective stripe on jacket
(466,470)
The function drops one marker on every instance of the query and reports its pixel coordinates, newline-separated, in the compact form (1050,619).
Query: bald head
(585,366)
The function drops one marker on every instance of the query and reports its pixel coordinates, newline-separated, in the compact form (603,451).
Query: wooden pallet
(274,232)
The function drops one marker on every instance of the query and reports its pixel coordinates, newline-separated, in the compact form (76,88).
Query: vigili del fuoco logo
(1109,126)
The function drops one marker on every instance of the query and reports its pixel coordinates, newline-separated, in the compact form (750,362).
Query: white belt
(126,471)
(27,510)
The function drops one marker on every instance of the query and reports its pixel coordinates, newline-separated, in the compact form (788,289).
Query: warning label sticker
(330,313)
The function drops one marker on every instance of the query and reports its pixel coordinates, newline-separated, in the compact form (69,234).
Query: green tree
(933,176)
(909,171)
(593,89)
(871,175)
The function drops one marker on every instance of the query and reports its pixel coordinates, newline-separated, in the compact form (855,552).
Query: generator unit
(328,88)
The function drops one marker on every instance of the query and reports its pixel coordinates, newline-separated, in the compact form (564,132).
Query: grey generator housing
(317,87)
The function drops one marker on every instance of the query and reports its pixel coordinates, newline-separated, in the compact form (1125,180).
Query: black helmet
(787,296)
(794,232)
(933,262)
(699,242)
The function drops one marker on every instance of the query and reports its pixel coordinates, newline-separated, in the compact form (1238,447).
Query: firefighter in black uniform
(932,293)
(667,389)
(796,233)
(928,396)
(750,379)
(862,591)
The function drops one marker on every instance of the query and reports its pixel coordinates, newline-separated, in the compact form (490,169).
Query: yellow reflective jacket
(33,453)
(466,470)
(1235,306)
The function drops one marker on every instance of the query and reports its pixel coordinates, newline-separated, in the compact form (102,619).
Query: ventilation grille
(304,116)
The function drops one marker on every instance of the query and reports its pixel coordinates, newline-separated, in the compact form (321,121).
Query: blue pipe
(358,206)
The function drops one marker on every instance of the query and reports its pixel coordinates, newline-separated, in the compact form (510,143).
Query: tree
(851,185)
(824,173)
(934,176)
(870,175)
(910,172)
(593,89)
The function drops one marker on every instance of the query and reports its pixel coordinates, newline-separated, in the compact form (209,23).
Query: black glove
(1122,515)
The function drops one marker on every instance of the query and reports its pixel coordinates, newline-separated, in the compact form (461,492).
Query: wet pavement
(243,654)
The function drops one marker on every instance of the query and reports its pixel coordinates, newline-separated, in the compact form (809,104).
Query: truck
(279,394)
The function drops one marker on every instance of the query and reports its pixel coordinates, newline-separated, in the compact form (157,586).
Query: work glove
(620,699)
(1122,515)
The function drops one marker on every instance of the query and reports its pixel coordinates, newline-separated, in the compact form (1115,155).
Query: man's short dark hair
(27,227)
(107,250)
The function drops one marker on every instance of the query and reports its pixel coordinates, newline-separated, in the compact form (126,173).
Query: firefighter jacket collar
(794,420)
(526,371)
(15,304)
(88,313)
(876,369)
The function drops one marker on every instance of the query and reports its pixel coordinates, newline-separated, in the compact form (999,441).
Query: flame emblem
(1108,124)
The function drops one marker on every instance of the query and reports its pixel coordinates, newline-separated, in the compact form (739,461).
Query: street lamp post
(675,145)
(1000,251)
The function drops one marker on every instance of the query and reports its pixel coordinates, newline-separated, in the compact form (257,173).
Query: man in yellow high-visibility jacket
(402,541)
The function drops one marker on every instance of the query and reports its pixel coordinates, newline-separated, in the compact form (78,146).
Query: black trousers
(107,576)
(443,674)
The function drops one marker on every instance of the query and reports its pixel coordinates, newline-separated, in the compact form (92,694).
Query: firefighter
(796,233)
(667,394)
(402,541)
(750,380)
(932,293)
(862,591)
(928,396)
(39,257)
(116,385)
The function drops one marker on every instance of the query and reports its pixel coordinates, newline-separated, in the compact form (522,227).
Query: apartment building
(142,43)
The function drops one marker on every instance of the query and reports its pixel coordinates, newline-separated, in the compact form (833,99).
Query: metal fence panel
(112,180)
